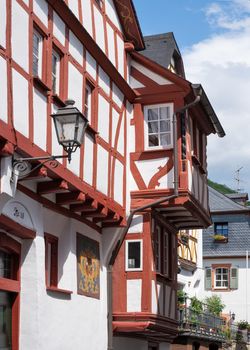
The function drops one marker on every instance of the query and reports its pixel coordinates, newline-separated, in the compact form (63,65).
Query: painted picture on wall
(88,267)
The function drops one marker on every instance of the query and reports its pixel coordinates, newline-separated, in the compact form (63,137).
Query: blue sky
(186,18)
(214,38)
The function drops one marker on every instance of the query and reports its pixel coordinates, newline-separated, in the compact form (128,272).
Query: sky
(214,39)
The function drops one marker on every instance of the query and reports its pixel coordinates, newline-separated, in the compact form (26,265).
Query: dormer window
(158,120)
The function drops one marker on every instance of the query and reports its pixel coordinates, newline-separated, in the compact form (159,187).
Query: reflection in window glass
(134,255)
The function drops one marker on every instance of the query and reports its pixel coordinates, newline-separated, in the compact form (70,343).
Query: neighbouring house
(88,248)
(226,249)
(168,193)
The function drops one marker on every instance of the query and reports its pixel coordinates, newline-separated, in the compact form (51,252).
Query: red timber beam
(70,197)
(52,187)
(36,174)
(77,192)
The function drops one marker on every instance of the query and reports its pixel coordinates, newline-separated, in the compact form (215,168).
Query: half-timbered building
(168,131)
(60,221)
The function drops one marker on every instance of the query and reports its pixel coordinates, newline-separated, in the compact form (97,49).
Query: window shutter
(208,278)
(234,278)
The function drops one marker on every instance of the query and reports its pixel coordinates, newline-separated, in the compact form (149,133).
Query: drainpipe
(115,251)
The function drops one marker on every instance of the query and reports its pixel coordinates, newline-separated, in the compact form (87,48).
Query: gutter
(114,253)
(198,90)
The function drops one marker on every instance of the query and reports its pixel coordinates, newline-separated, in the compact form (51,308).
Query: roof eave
(198,90)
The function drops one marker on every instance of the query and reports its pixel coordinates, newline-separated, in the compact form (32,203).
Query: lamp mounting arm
(21,167)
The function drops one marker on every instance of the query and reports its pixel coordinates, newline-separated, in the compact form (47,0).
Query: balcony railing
(201,324)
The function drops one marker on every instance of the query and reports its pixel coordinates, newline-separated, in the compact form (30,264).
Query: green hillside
(220,188)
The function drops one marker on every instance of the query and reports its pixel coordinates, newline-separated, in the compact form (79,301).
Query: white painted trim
(145,112)
(127,268)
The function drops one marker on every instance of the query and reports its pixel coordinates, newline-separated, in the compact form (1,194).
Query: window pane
(153,140)
(165,125)
(164,113)
(134,255)
(165,139)
(5,265)
(153,114)
(152,127)
(5,320)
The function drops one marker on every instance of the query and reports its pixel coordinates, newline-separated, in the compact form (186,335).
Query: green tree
(214,305)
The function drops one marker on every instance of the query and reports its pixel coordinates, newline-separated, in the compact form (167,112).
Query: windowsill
(153,153)
(221,240)
(40,84)
(59,290)
(57,100)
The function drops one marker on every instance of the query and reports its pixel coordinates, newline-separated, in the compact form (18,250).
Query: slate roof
(219,202)
(160,48)
(225,210)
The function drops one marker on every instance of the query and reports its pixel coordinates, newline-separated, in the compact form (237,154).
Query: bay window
(158,119)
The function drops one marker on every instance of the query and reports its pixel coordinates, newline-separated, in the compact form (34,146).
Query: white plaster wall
(154,297)
(99,33)
(118,183)
(150,74)
(134,293)
(122,343)
(20,103)
(3,23)
(87,17)
(51,321)
(40,119)
(112,14)
(19,38)
(102,169)
(73,5)
(88,159)
(56,148)
(75,86)
(40,8)
(148,168)
(58,28)
(115,119)
(75,47)
(135,84)
(74,164)
(120,49)
(111,43)
(104,81)
(237,300)
(3,89)
(136,225)
(118,96)
(120,144)
(91,65)
(103,118)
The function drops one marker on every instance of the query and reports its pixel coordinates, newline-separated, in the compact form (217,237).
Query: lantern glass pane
(79,130)
(65,125)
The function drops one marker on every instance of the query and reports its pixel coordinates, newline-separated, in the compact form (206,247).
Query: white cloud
(221,64)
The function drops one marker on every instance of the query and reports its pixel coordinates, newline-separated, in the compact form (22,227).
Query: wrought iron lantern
(70,125)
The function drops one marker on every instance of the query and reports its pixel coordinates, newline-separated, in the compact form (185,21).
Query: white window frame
(57,73)
(127,268)
(40,52)
(171,111)
(215,278)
